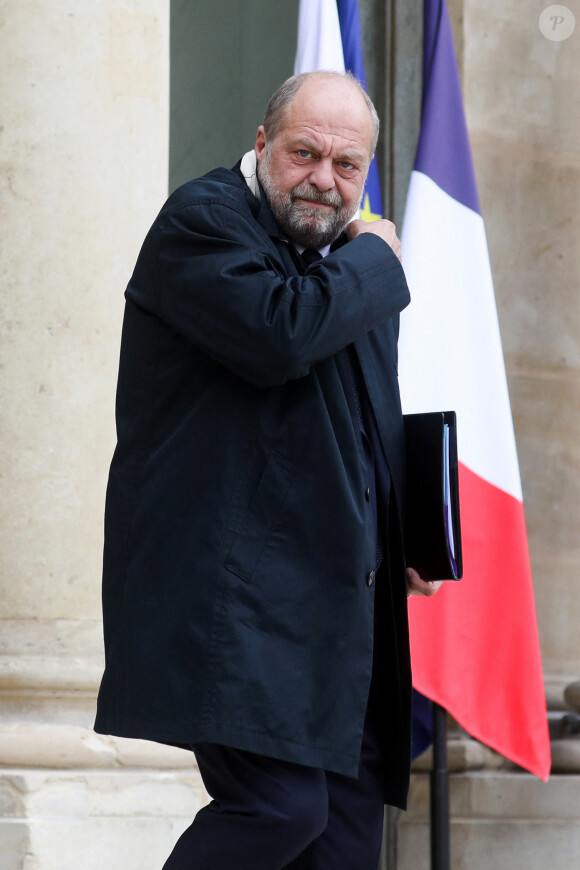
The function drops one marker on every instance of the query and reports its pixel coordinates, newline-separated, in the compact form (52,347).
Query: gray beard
(306,226)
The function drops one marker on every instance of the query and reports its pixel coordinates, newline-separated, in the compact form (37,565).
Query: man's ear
(261,143)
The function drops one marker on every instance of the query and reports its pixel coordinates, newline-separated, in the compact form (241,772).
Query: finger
(417,586)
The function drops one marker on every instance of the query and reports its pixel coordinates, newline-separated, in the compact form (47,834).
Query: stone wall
(84,139)
(500,820)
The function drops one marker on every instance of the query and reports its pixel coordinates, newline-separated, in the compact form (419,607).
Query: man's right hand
(383,228)
(417,586)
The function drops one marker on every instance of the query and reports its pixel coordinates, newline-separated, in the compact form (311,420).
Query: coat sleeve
(212,274)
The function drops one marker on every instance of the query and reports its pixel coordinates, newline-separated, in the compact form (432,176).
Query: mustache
(325,197)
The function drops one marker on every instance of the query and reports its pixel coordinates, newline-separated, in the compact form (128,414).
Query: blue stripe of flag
(349,18)
(443,152)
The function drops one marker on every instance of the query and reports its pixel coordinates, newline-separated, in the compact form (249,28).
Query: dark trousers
(267,814)
(274,815)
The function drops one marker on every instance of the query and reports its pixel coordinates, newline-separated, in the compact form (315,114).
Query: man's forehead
(321,96)
(342,142)
(330,108)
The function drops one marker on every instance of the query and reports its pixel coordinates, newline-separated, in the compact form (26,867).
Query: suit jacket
(239,543)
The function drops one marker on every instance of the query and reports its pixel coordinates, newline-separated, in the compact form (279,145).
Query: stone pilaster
(84,139)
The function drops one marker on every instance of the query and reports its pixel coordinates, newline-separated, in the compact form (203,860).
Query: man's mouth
(313,203)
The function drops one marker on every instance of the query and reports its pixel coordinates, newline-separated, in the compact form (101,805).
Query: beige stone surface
(30,740)
(499,820)
(66,820)
(463,754)
(84,96)
(51,655)
(566,755)
(83,169)
(522,97)
(49,676)
(572,696)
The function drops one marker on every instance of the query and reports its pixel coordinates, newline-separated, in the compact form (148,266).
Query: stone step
(500,820)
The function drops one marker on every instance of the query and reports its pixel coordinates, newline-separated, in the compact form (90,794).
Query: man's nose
(322,175)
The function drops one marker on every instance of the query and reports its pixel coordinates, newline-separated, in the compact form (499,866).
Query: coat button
(367,494)
(371,578)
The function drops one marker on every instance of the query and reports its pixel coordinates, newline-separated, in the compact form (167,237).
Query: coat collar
(246,168)
(263,214)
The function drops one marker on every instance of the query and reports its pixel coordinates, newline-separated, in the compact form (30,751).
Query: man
(254,586)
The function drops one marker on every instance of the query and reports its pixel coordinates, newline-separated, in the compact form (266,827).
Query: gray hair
(283,96)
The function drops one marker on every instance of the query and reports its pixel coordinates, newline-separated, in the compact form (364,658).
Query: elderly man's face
(314,171)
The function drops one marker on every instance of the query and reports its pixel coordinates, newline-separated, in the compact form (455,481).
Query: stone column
(84,94)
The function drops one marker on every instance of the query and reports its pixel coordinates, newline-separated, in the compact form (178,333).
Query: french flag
(475,648)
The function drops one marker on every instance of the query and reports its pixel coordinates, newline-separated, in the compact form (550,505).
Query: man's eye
(346,165)
(303,153)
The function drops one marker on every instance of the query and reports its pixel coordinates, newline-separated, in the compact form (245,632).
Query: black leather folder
(432,519)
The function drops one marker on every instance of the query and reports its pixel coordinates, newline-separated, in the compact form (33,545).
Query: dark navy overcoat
(238,539)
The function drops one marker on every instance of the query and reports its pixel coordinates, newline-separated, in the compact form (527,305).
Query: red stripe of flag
(463,650)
